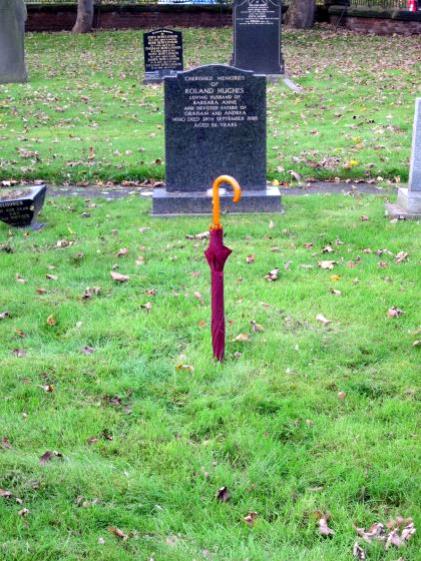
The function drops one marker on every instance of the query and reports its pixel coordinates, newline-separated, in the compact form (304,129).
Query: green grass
(267,423)
(86,92)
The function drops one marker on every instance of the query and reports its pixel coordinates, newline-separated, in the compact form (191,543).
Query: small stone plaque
(12,35)
(163,51)
(215,123)
(257,36)
(19,207)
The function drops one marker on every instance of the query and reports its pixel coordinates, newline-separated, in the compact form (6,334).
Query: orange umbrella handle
(216,225)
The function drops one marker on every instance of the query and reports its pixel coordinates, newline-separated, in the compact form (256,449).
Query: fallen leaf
(23,512)
(223,495)
(335,278)
(250,259)
(358,552)
(61,244)
(122,252)
(19,353)
(20,279)
(327,249)
(308,245)
(5,443)
(4,315)
(41,291)
(51,321)
(51,277)
(201,236)
(375,532)
(324,529)
(401,257)
(322,319)
(272,276)
(88,350)
(147,306)
(48,388)
(48,456)
(5,494)
(256,327)
(186,367)
(394,312)
(242,338)
(199,297)
(335,292)
(327,265)
(118,533)
(118,277)
(250,518)
(364,218)
(341,395)
(91,292)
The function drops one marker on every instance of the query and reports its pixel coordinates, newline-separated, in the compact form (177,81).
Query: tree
(300,14)
(85,16)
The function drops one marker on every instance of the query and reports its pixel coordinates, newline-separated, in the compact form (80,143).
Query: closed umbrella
(216,255)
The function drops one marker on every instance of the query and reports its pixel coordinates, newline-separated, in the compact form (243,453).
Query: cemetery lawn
(304,417)
(86,117)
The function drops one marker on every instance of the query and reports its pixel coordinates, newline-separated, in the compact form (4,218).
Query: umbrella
(216,255)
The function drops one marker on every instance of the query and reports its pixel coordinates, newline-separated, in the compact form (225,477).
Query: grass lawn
(86,117)
(146,443)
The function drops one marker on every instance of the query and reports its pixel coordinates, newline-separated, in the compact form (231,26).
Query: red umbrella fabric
(216,255)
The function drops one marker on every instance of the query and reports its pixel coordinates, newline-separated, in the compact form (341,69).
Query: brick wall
(381,26)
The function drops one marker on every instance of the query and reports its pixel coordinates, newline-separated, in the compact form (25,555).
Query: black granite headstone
(19,207)
(163,51)
(215,123)
(257,36)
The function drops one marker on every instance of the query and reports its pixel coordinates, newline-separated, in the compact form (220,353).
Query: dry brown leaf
(147,306)
(256,327)
(41,291)
(327,249)
(327,265)
(358,552)
(250,259)
(199,297)
(19,353)
(272,276)
(375,532)
(201,236)
(51,321)
(88,350)
(322,319)
(324,529)
(51,277)
(4,315)
(242,338)
(118,533)
(23,512)
(394,312)
(48,456)
(186,367)
(122,252)
(20,279)
(91,292)
(5,443)
(118,277)
(308,245)
(223,495)
(48,388)
(364,218)
(335,292)
(341,395)
(401,257)
(250,518)
(5,494)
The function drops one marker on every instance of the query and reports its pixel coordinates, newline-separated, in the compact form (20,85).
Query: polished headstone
(409,200)
(12,35)
(19,207)
(215,123)
(257,36)
(163,52)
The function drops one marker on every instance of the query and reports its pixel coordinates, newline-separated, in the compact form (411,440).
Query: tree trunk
(85,16)
(300,14)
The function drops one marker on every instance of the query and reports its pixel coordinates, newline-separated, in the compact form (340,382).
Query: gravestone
(19,207)
(257,36)
(409,200)
(215,123)
(12,35)
(163,51)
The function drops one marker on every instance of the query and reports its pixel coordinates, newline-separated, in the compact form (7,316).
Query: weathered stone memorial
(215,123)
(12,36)
(409,200)
(257,36)
(163,51)
(19,207)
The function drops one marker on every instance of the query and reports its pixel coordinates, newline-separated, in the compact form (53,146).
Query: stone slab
(167,203)
(257,36)
(12,36)
(400,213)
(19,207)
(215,123)
(163,54)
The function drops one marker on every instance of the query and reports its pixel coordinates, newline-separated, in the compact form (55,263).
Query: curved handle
(216,225)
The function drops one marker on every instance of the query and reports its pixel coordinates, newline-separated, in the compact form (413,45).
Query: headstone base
(158,76)
(165,203)
(407,207)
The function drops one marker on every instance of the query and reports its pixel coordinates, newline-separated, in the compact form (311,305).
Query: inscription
(215,105)
(163,50)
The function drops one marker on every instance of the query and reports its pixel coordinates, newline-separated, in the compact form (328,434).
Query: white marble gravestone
(12,35)
(409,200)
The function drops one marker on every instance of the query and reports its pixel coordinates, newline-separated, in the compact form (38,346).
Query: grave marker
(19,207)
(163,51)
(12,35)
(215,123)
(409,200)
(257,36)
